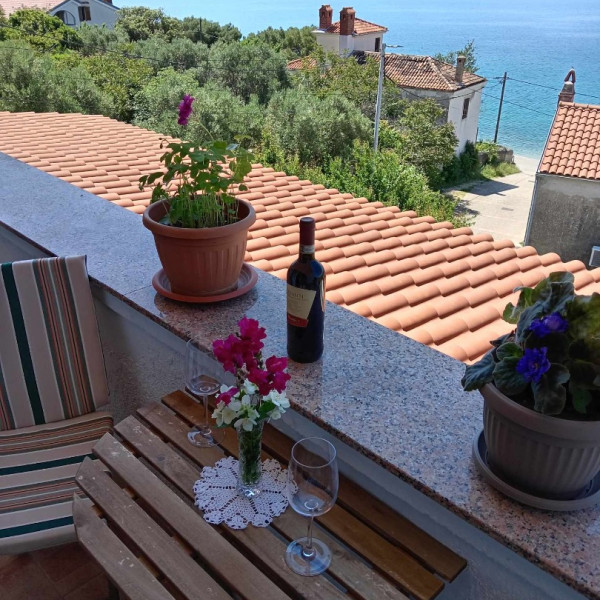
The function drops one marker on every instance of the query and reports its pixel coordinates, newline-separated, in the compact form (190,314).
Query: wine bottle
(305,299)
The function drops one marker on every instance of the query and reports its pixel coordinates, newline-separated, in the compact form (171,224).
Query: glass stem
(205,427)
(308,552)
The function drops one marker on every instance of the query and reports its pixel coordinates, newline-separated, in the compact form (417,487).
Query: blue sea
(535,42)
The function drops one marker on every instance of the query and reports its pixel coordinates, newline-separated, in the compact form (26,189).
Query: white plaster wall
(328,41)
(367,42)
(465,129)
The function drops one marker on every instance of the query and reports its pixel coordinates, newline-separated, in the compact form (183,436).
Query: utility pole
(379,95)
(500,108)
(380,91)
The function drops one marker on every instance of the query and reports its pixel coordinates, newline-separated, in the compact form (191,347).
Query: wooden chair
(53,397)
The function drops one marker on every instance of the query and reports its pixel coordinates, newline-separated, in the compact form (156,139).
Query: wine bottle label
(299,302)
(307,249)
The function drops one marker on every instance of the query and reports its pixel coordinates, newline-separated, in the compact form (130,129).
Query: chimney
(567,94)
(460,68)
(325,15)
(347,16)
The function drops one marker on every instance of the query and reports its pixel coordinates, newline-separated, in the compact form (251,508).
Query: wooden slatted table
(142,528)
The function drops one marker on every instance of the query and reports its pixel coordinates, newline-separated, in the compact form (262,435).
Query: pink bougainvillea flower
(253,333)
(261,380)
(226,396)
(229,352)
(185,109)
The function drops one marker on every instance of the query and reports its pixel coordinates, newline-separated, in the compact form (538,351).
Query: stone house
(70,12)
(417,77)
(565,210)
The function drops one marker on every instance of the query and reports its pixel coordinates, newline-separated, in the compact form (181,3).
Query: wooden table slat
(260,545)
(214,550)
(385,520)
(121,566)
(392,560)
(157,545)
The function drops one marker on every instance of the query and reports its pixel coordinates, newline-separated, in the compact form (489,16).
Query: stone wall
(565,217)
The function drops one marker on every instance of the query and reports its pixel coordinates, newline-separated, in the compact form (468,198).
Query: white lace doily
(217,495)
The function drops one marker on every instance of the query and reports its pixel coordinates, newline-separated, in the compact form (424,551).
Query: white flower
(249,388)
(279,399)
(275,414)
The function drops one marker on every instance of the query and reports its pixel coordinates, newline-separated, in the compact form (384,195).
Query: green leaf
(511,312)
(583,314)
(549,394)
(584,373)
(557,344)
(580,397)
(479,373)
(507,379)
(509,350)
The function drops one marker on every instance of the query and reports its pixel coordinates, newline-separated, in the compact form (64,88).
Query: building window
(378,44)
(66,17)
(84,13)
(465,108)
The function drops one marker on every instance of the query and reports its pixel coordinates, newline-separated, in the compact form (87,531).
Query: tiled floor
(62,572)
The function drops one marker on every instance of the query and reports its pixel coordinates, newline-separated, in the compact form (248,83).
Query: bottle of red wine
(305,299)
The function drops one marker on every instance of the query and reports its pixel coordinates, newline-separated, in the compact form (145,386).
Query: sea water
(535,42)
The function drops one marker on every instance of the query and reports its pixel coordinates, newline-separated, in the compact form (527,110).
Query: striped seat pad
(51,363)
(37,480)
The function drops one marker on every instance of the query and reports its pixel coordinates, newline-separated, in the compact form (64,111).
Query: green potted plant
(199,228)
(541,390)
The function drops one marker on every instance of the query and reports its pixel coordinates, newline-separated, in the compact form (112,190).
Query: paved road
(501,206)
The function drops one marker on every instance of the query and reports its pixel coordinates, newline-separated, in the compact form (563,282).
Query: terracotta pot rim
(150,222)
(546,424)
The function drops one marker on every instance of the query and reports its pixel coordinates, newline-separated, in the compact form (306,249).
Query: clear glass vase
(250,446)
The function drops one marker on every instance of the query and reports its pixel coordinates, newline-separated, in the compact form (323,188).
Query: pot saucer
(246,281)
(588,498)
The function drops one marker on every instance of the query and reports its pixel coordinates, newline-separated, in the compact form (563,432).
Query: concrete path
(501,206)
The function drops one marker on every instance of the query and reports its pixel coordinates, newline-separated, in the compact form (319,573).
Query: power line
(519,105)
(549,87)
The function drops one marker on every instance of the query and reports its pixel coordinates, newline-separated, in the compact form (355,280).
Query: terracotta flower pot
(543,455)
(200,262)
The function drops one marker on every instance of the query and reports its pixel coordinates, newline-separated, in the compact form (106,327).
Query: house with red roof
(565,210)
(70,12)
(417,77)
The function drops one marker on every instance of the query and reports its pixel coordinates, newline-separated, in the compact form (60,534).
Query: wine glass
(202,377)
(312,487)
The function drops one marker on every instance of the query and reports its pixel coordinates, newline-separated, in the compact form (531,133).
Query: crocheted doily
(217,495)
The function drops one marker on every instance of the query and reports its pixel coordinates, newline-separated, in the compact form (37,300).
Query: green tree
(423,140)
(140,23)
(97,39)
(248,70)
(121,78)
(33,82)
(468,52)
(180,53)
(314,129)
(217,113)
(292,42)
(41,30)
(209,32)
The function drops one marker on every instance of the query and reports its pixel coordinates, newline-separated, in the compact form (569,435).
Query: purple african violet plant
(551,361)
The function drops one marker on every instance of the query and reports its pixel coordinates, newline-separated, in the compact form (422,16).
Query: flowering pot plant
(541,390)
(198,182)
(551,361)
(200,229)
(257,396)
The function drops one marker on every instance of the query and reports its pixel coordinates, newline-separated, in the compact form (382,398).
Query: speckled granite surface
(391,398)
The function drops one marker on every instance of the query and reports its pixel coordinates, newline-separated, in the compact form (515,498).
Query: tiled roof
(573,147)
(423,72)
(442,286)
(361,27)
(417,72)
(10,6)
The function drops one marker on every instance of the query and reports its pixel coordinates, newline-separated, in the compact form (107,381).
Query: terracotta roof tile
(441,286)
(361,27)
(573,146)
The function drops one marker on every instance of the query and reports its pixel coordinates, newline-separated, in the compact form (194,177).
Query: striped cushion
(37,480)
(51,363)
